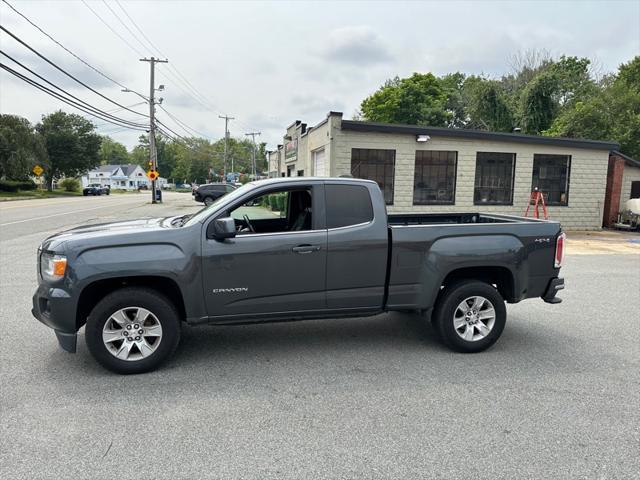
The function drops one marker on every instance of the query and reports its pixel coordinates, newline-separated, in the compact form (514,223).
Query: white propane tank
(633,205)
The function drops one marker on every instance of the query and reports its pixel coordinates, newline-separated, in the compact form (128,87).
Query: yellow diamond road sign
(152,174)
(37,170)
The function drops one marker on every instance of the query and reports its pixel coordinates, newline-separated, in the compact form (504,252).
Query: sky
(268,64)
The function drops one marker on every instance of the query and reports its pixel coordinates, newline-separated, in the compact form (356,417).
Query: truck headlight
(52,266)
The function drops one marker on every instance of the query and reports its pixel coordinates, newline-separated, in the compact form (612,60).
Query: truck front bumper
(56,309)
(555,285)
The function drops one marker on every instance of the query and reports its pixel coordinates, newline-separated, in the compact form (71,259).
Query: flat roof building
(427,169)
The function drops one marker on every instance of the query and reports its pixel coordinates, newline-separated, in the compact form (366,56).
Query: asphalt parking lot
(556,397)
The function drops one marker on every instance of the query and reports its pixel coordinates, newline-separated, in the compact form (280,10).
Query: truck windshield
(229,197)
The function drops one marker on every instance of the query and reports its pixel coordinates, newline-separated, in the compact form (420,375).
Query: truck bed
(517,252)
(455,218)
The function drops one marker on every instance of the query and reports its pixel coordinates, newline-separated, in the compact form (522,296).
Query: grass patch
(25,194)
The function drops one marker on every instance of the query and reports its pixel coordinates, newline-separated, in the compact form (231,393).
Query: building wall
(630,174)
(587,182)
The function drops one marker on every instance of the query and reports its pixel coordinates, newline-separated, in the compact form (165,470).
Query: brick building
(623,183)
(427,169)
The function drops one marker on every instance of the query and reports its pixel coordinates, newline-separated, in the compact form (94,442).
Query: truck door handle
(302,249)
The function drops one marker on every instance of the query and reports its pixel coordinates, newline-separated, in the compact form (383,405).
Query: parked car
(332,252)
(143,186)
(210,192)
(96,189)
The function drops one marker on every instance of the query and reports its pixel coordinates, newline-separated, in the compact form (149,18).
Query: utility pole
(226,138)
(253,161)
(153,157)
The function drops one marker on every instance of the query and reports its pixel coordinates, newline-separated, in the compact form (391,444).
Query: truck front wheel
(133,330)
(470,316)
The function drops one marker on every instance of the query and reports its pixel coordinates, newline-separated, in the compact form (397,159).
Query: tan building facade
(425,169)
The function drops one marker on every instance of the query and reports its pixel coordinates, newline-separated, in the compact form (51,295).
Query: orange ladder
(537,198)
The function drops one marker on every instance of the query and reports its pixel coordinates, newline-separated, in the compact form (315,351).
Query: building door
(319,167)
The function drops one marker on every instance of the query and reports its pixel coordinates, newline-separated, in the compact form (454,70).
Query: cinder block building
(428,169)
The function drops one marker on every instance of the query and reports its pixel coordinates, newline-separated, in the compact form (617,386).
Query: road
(24,217)
(556,397)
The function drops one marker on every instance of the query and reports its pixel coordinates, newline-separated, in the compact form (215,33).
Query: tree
(486,105)
(453,85)
(418,100)
(611,113)
(71,143)
(538,106)
(20,148)
(112,152)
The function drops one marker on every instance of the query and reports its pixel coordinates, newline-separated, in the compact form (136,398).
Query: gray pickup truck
(289,249)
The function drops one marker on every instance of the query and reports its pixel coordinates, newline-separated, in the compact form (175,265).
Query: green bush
(273,202)
(70,184)
(281,200)
(15,185)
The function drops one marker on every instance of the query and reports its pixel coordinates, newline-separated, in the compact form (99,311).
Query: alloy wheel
(132,333)
(474,318)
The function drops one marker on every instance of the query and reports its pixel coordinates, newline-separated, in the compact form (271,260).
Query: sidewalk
(602,242)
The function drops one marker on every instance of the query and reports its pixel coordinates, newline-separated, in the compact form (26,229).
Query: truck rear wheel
(470,316)
(132,330)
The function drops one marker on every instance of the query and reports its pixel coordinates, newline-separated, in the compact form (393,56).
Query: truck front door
(276,264)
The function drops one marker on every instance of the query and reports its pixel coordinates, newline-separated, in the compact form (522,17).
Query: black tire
(164,310)
(107,192)
(208,200)
(449,300)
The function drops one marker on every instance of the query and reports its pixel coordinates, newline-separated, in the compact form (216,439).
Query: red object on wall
(614,189)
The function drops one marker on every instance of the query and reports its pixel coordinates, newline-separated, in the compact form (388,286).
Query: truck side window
(278,211)
(347,205)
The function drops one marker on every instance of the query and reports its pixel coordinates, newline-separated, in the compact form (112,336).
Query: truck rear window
(347,205)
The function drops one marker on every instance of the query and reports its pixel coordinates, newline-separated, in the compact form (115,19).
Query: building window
(376,165)
(301,173)
(434,179)
(635,190)
(551,177)
(494,178)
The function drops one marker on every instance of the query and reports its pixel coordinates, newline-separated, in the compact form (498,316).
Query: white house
(121,177)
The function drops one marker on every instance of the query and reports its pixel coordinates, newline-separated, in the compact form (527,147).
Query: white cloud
(356,46)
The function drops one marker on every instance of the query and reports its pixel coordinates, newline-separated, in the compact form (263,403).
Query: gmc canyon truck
(289,249)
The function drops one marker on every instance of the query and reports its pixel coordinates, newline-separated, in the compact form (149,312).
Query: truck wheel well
(501,277)
(95,291)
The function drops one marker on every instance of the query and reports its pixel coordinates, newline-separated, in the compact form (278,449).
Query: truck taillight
(560,241)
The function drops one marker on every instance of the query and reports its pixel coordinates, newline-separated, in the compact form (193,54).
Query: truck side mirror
(224,228)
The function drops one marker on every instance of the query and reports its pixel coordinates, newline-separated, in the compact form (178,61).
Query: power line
(79,100)
(62,97)
(194,92)
(22,42)
(124,24)
(114,32)
(104,75)
(185,127)
(153,47)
